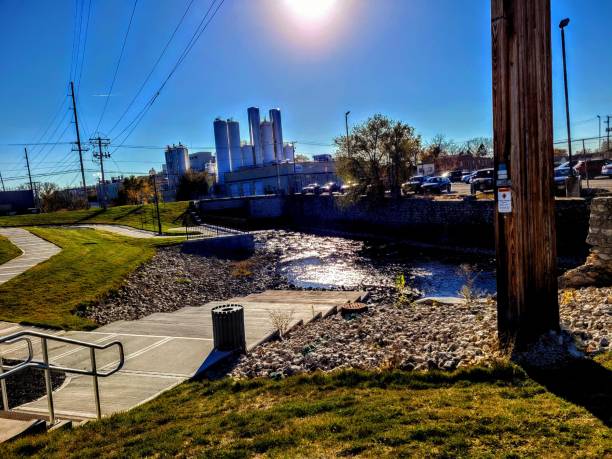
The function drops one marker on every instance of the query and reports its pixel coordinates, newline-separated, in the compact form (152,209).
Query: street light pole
(562,26)
(599,135)
(348,139)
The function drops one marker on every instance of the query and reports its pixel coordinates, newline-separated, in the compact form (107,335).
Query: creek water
(308,260)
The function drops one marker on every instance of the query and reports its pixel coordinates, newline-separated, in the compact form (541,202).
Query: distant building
(322,158)
(177,164)
(112,188)
(200,161)
(286,178)
(16,202)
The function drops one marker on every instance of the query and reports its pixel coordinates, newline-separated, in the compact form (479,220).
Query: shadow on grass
(583,382)
(89,216)
(135,210)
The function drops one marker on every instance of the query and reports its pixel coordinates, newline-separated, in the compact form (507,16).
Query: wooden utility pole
(78,134)
(25,150)
(2,182)
(527,304)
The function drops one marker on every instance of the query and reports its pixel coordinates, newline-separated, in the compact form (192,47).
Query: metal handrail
(47,367)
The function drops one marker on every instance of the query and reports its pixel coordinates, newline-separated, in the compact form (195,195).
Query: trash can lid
(227,308)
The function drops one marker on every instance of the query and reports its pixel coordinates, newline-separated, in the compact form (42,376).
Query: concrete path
(162,350)
(35,250)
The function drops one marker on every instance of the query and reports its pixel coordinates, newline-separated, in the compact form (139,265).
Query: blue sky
(426,62)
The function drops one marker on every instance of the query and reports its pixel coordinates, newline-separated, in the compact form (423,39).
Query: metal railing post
(5,402)
(94,370)
(49,386)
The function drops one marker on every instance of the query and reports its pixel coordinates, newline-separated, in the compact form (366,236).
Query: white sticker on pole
(504,200)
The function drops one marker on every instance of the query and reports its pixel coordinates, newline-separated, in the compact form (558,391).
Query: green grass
(490,412)
(7,250)
(140,216)
(91,264)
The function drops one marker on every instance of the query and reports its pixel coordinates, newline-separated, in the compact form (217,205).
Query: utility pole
(2,181)
(25,149)
(99,142)
(78,134)
(153,174)
(527,304)
(608,133)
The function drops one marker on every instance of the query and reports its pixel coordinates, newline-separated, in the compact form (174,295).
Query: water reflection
(324,262)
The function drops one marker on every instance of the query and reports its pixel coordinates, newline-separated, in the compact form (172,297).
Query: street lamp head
(347,113)
(563,23)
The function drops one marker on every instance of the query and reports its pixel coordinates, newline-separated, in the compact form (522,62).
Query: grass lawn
(91,264)
(140,216)
(491,412)
(7,250)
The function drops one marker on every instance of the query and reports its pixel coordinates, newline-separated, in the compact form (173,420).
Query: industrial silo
(255,133)
(177,164)
(222,149)
(248,159)
(277,130)
(233,132)
(289,152)
(267,140)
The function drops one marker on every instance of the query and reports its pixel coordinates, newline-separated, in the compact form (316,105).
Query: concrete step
(15,428)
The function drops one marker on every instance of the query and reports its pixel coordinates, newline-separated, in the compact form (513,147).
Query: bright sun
(311,10)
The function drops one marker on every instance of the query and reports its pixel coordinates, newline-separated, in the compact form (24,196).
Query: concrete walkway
(162,350)
(35,250)
(206,231)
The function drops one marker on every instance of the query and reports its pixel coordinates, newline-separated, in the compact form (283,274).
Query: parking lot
(603,183)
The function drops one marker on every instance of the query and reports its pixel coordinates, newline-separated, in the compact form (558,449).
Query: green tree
(192,185)
(383,152)
(135,190)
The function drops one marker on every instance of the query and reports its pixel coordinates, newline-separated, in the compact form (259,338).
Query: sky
(425,62)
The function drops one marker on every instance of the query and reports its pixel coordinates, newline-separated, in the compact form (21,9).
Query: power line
(195,37)
(84,47)
(110,90)
(154,67)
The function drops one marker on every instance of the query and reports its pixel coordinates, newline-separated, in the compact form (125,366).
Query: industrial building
(202,161)
(177,164)
(265,163)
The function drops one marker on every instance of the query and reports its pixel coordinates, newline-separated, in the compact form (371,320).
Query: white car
(606,169)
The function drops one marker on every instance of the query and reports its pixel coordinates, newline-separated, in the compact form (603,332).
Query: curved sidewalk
(35,250)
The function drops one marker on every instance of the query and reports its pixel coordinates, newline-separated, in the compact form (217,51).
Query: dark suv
(483,180)
(414,184)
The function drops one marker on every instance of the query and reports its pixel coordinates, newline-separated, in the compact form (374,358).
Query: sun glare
(311,10)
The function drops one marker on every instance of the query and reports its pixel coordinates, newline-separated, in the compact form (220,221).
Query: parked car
(330,188)
(311,188)
(565,164)
(467,177)
(436,185)
(483,180)
(592,167)
(414,184)
(606,169)
(454,176)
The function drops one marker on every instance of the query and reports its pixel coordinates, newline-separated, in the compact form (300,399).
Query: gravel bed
(173,280)
(421,336)
(29,385)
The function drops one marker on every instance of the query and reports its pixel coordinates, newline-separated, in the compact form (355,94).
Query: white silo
(177,164)
(248,159)
(255,133)
(277,129)
(222,149)
(289,151)
(233,132)
(267,140)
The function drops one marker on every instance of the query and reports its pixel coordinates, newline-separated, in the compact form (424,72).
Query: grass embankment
(139,216)
(492,412)
(7,250)
(90,265)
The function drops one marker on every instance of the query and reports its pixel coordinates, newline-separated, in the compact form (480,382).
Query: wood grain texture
(522,128)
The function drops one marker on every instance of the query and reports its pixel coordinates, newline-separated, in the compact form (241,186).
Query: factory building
(177,164)
(264,164)
(200,161)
